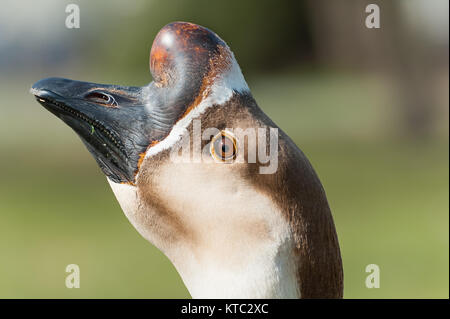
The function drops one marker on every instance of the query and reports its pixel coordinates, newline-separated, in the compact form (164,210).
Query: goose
(231,229)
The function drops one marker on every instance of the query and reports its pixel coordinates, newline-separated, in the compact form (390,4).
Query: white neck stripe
(221,92)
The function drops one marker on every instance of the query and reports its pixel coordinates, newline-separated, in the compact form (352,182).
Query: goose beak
(119,123)
(111,121)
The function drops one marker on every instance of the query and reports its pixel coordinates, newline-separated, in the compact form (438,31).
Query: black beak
(119,123)
(113,121)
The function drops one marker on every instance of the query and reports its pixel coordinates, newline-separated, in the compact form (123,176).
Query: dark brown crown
(183,51)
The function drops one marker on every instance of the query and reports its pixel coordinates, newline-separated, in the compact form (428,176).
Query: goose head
(204,175)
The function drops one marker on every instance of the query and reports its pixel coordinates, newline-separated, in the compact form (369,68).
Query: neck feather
(270,274)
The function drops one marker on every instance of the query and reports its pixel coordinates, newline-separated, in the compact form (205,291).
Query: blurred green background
(369,107)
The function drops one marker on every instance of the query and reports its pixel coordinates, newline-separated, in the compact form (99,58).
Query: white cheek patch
(126,196)
(221,92)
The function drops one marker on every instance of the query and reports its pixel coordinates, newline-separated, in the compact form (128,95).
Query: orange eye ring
(223,147)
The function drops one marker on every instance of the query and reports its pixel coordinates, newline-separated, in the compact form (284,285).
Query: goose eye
(223,147)
(101,98)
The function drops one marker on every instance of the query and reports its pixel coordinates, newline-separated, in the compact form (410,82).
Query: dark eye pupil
(224,148)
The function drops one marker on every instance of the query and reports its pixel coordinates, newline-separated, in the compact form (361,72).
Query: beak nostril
(101,98)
